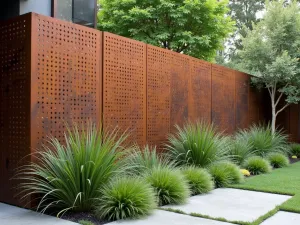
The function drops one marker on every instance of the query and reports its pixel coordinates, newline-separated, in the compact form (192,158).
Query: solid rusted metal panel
(124,83)
(65,77)
(200,90)
(14,101)
(254,106)
(294,123)
(242,84)
(180,75)
(223,98)
(158,94)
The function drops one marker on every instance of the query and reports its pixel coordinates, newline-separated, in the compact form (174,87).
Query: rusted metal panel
(200,90)
(65,77)
(254,107)
(294,123)
(14,101)
(158,94)
(242,85)
(180,75)
(223,98)
(124,77)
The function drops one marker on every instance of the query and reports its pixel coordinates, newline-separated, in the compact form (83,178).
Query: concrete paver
(283,218)
(160,217)
(232,204)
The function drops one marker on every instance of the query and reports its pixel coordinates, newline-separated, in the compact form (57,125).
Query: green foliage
(125,198)
(140,160)
(200,181)
(225,173)
(278,160)
(198,144)
(181,26)
(263,141)
(68,176)
(257,165)
(271,53)
(85,222)
(295,149)
(241,149)
(170,185)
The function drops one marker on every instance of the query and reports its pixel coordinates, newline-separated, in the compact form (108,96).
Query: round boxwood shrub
(225,173)
(200,181)
(126,197)
(170,185)
(278,160)
(257,165)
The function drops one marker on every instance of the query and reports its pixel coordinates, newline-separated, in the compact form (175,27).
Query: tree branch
(280,96)
(283,108)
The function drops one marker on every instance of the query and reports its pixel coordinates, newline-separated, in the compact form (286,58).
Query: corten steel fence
(52,72)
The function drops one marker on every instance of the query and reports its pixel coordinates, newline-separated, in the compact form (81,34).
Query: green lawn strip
(280,181)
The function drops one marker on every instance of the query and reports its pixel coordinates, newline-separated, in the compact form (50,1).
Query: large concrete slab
(160,217)
(283,218)
(11,215)
(232,204)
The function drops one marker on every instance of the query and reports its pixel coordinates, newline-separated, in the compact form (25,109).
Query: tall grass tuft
(125,198)
(68,176)
(278,160)
(295,150)
(241,150)
(198,144)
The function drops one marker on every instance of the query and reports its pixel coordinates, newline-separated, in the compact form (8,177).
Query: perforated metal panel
(158,94)
(223,98)
(242,82)
(180,77)
(65,77)
(124,77)
(200,90)
(14,100)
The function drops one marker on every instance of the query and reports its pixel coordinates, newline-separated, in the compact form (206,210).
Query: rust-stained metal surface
(180,77)
(294,123)
(223,98)
(124,82)
(14,101)
(242,82)
(65,76)
(200,90)
(158,94)
(254,106)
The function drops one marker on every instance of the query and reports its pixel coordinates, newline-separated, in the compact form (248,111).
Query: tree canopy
(271,51)
(194,27)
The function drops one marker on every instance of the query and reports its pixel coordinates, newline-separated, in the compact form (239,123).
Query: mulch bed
(76,217)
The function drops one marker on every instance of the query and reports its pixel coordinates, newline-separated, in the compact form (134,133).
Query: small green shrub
(170,185)
(295,150)
(257,165)
(278,160)
(241,150)
(68,176)
(263,142)
(125,198)
(140,160)
(85,222)
(225,173)
(198,144)
(200,181)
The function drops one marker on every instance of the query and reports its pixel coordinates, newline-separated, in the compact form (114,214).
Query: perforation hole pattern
(14,96)
(158,94)
(67,77)
(124,82)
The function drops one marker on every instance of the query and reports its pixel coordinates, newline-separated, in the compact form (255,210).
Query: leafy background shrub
(200,181)
(257,165)
(225,173)
(69,176)
(198,144)
(170,185)
(295,150)
(125,198)
(278,160)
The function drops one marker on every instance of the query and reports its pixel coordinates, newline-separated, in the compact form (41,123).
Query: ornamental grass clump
(125,198)
(198,144)
(295,150)
(257,165)
(263,141)
(170,185)
(199,180)
(278,160)
(225,174)
(68,176)
(241,150)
